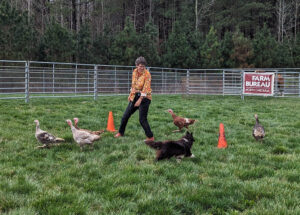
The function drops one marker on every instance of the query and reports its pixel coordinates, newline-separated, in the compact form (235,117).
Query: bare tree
(74,16)
(202,10)
(78,16)
(150,10)
(29,9)
(102,16)
(196,14)
(135,13)
(296,5)
(61,14)
(286,21)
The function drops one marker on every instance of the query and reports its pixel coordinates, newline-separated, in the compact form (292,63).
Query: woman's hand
(132,90)
(138,102)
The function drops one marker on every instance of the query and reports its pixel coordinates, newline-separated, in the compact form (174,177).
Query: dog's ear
(187,132)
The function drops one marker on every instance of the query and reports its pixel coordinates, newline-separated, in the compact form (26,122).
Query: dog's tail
(155,145)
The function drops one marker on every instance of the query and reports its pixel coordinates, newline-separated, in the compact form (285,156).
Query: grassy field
(120,176)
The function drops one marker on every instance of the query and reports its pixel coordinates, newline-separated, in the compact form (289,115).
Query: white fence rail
(33,79)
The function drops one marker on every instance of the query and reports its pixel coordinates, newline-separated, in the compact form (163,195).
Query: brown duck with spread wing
(45,137)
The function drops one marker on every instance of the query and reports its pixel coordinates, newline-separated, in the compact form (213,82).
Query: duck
(45,137)
(76,120)
(82,137)
(258,130)
(181,122)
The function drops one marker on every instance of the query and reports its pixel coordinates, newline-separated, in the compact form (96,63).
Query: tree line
(169,33)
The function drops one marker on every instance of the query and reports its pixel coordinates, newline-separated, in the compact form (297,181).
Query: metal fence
(32,79)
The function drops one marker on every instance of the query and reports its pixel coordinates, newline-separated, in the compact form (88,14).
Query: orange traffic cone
(110,122)
(222,143)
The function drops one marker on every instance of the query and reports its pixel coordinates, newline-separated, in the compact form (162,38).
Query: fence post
(128,81)
(223,87)
(115,88)
(175,81)
(284,82)
(205,82)
(95,82)
(88,78)
(299,84)
(242,84)
(188,82)
(165,82)
(43,81)
(276,83)
(76,79)
(26,81)
(162,81)
(53,77)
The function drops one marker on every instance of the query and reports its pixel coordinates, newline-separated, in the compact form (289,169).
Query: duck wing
(179,122)
(84,137)
(45,138)
(258,132)
(188,121)
(92,132)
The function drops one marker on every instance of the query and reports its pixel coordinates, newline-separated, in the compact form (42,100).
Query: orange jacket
(141,82)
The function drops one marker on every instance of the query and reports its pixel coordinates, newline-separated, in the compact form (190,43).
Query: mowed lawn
(120,176)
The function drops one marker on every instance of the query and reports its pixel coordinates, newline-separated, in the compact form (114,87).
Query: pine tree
(284,54)
(57,44)
(148,44)
(100,48)
(297,51)
(264,48)
(17,36)
(242,15)
(227,51)
(178,52)
(211,52)
(124,49)
(84,45)
(242,51)
(196,42)
(7,17)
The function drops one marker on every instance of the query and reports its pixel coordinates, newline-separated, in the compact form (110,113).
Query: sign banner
(258,83)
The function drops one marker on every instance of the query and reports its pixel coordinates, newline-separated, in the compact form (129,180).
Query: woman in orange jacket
(139,98)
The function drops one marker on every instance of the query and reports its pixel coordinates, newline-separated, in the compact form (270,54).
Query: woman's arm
(147,85)
(133,81)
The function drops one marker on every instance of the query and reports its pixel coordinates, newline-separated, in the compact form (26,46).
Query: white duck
(82,137)
(45,137)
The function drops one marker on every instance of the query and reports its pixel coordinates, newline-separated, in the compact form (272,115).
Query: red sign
(258,83)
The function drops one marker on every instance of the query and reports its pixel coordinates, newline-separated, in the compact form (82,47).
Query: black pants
(143,110)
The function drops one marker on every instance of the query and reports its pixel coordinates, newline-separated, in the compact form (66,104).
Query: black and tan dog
(177,148)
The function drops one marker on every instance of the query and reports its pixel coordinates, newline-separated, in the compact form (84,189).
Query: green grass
(120,176)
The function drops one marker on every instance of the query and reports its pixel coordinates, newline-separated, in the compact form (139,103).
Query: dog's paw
(192,156)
